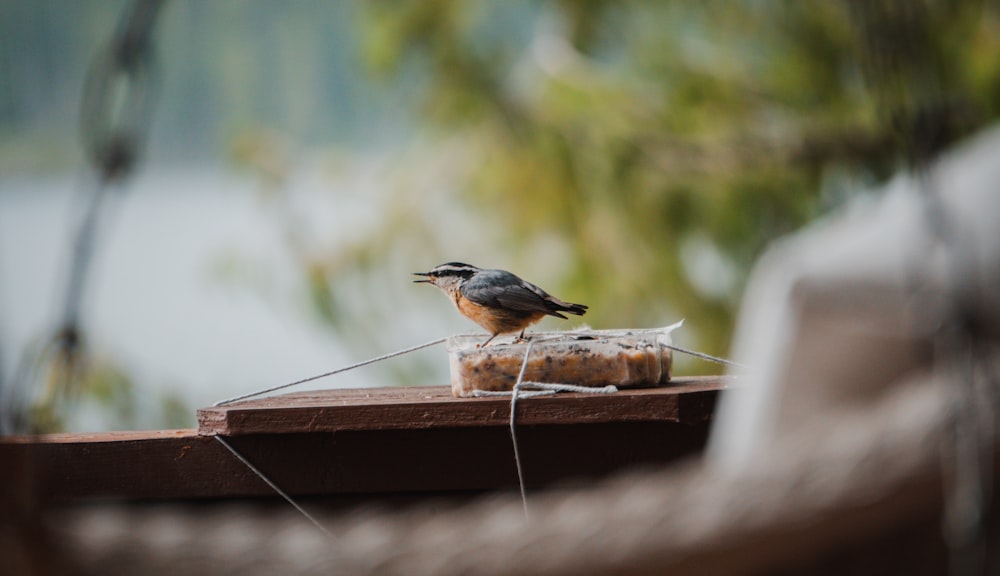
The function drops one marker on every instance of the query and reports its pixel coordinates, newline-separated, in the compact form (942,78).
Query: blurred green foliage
(78,388)
(635,156)
(652,138)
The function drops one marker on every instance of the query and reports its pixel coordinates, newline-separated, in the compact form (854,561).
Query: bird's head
(448,276)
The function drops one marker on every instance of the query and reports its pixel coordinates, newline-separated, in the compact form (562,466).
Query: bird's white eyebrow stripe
(456,269)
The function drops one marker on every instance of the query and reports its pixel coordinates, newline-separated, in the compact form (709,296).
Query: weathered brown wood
(685,400)
(134,465)
(359,443)
(185,465)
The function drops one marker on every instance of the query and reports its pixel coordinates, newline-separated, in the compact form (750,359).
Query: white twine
(273,486)
(704,356)
(526,393)
(513,428)
(332,372)
(522,389)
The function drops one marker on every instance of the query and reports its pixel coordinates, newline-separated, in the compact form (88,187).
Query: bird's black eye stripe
(454,270)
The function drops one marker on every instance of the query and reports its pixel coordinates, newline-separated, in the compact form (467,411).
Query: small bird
(497,300)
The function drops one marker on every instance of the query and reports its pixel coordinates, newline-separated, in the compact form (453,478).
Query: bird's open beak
(427,280)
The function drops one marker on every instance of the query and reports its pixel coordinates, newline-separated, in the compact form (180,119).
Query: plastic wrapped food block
(584,358)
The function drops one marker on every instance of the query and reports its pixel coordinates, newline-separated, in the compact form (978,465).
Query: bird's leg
(520,337)
(483,345)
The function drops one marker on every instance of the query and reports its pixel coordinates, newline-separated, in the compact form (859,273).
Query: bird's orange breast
(496,320)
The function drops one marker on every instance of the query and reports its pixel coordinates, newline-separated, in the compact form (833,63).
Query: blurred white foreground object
(856,307)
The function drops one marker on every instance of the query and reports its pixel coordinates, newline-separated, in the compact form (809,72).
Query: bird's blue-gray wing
(500,288)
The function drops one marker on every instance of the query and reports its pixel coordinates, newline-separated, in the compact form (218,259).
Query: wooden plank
(135,465)
(101,437)
(685,400)
(360,443)
(186,465)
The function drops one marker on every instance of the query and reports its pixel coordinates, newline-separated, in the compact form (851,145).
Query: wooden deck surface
(364,442)
(684,400)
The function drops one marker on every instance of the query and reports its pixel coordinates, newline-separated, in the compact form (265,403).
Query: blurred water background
(305,157)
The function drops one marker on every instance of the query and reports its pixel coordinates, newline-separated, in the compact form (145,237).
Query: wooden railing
(364,442)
